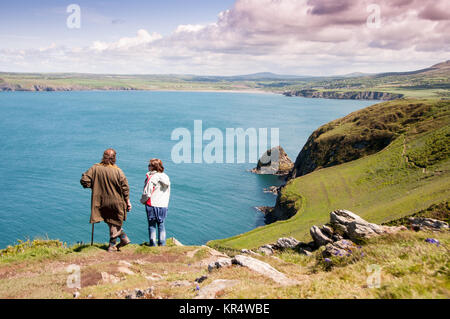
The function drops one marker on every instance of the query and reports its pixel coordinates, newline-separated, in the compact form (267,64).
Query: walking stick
(92,235)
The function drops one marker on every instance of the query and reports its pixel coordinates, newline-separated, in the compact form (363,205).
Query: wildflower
(362,254)
(432,241)
(197,287)
(328,260)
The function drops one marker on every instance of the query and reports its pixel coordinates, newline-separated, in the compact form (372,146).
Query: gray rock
(210,291)
(176,242)
(137,293)
(348,224)
(248,252)
(266,250)
(264,269)
(274,161)
(340,248)
(220,263)
(320,239)
(427,223)
(181,283)
(304,251)
(327,231)
(290,242)
(201,279)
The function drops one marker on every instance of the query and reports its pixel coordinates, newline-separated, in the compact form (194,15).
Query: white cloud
(142,37)
(316,37)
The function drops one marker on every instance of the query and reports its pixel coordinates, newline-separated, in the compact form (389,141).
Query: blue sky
(27,24)
(224,37)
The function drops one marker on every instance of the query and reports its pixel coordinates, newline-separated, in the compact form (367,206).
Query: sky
(223,37)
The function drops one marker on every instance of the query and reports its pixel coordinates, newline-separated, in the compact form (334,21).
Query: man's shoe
(124,240)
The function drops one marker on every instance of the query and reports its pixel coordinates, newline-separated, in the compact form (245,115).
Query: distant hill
(430,82)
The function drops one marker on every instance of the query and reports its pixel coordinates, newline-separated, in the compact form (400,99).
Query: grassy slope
(410,268)
(379,187)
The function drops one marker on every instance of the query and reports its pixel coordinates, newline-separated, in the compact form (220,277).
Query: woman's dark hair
(109,157)
(156,165)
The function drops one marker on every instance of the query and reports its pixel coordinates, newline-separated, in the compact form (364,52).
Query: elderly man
(110,200)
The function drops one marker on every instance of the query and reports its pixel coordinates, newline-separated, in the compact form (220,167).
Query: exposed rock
(264,209)
(327,231)
(274,162)
(154,277)
(419,223)
(181,283)
(201,279)
(340,248)
(356,95)
(176,242)
(109,279)
(140,262)
(264,269)
(286,242)
(210,291)
(125,263)
(137,293)
(220,263)
(266,250)
(272,189)
(125,270)
(76,294)
(354,227)
(248,252)
(214,252)
(320,239)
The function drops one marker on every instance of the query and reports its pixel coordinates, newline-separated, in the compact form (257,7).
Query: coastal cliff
(349,95)
(385,146)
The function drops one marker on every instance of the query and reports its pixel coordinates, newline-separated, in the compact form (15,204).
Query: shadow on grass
(81,248)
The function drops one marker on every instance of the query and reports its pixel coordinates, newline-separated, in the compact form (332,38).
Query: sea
(48,139)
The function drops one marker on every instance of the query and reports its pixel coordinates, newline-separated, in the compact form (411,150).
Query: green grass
(379,187)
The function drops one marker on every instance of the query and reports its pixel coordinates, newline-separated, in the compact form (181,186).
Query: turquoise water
(49,138)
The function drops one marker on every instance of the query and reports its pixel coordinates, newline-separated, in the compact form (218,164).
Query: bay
(48,139)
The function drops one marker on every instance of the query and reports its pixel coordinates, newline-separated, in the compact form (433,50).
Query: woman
(155,197)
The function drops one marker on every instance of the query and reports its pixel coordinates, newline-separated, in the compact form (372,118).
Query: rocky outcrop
(287,243)
(51,88)
(274,161)
(264,269)
(339,248)
(219,263)
(320,237)
(272,189)
(266,249)
(210,291)
(349,95)
(338,236)
(418,223)
(283,210)
(352,226)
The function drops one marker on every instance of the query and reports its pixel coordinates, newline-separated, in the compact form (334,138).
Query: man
(110,199)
